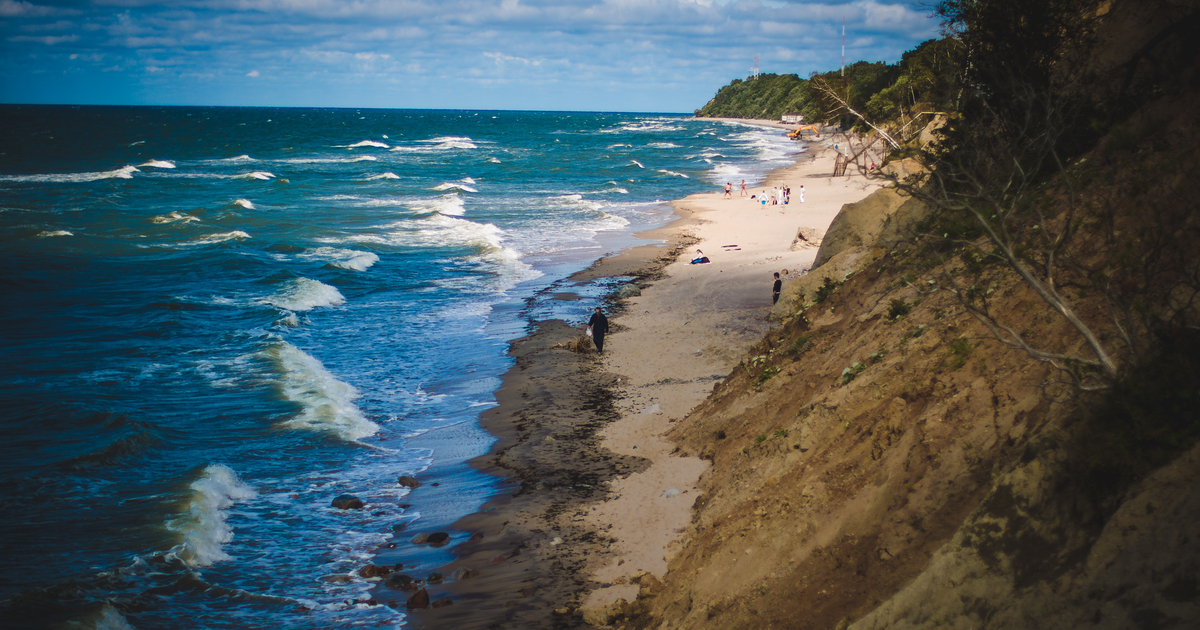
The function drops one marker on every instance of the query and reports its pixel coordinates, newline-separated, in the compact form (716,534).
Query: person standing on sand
(801,193)
(728,190)
(744,193)
(599,325)
(775,290)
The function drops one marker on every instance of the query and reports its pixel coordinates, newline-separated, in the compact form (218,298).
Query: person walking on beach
(744,193)
(728,190)
(801,193)
(599,325)
(775,290)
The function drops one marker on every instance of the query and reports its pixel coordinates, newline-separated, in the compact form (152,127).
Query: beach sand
(592,494)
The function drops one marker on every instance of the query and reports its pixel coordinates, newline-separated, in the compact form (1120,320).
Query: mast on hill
(754,70)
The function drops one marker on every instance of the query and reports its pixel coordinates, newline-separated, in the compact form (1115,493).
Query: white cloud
(252,73)
(12,8)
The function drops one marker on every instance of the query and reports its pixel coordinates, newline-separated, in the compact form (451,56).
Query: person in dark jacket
(599,326)
(775,290)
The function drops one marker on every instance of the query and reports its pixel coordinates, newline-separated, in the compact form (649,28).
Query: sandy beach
(594,496)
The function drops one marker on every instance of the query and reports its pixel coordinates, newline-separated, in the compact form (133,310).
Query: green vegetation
(897,309)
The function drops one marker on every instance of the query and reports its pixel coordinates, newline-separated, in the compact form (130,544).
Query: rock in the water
(438,538)
(408,482)
(337,579)
(420,539)
(420,599)
(399,582)
(463,573)
(373,571)
(435,578)
(348,502)
(443,602)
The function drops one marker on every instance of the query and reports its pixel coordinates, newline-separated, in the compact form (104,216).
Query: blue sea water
(216,320)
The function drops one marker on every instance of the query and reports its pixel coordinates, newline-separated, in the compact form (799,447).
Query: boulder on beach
(438,538)
(399,582)
(420,539)
(408,482)
(463,573)
(420,599)
(373,571)
(442,603)
(348,502)
(435,578)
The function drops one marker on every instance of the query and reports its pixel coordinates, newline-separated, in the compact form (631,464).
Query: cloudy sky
(601,55)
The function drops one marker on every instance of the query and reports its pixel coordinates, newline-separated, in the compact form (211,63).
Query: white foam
(261,175)
(343,258)
(494,160)
(125,172)
(636,163)
(454,186)
(387,175)
(109,618)
(159,164)
(467,180)
(326,402)
(438,144)
(450,205)
(620,145)
(50,233)
(663,145)
(304,294)
(238,158)
(331,160)
(174,216)
(217,238)
(666,172)
(204,527)
(245,203)
(368,143)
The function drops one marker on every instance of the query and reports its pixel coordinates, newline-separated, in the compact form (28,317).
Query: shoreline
(591,497)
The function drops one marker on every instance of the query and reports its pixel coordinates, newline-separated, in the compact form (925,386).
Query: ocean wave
(387,175)
(159,164)
(494,160)
(327,403)
(636,163)
(174,216)
(663,145)
(468,180)
(343,258)
(440,143)
(450,205)
(204,527)
(455,185)
(304,294)
(50,233)
(366,143)
(125,172)
(620,145)
(330,160)
(260,175)
(217,238)
(666,172)
(245,203)
(237,158)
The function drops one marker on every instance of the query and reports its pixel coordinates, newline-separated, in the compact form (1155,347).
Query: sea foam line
(327,403)
(204,526)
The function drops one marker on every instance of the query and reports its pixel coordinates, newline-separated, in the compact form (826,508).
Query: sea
(215,321)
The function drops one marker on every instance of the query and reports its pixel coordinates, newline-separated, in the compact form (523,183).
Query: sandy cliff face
(884,467)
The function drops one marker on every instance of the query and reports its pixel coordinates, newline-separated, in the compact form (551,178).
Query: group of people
(777,196)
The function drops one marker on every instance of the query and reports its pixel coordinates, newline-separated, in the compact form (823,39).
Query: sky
(567,55)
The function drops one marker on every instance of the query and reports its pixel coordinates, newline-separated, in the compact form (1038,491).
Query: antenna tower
(754,70)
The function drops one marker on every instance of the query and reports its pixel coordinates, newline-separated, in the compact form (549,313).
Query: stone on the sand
(408,482)
(348,502)
(420,599)
(438,538)
(399,582)
(496,560)
(443,602)
(420,539)
(373,571)
(476,536)
(463,573)
(628,291)
(435,578)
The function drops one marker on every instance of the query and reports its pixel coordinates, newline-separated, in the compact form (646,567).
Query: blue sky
(605,55)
